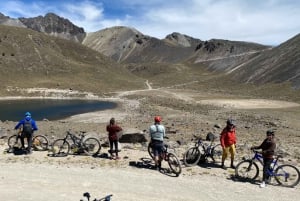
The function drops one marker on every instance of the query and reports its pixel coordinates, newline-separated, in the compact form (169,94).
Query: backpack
(27,127)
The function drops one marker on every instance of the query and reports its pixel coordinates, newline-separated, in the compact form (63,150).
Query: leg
(232,154)
(22,141)
(111,145)
(29,142)
(267,166)
(224,156)
(116,149)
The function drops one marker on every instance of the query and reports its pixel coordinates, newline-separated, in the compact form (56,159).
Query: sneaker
(262,185)
(232,166)
(223,167)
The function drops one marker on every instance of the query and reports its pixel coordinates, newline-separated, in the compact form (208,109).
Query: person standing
(268,147)
(228,142)
(28,126)
(157,134)
(112,128)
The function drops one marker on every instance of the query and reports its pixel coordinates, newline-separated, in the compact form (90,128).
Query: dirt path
(50,182)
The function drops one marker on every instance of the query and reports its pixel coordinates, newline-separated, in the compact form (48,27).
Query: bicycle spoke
(287,175)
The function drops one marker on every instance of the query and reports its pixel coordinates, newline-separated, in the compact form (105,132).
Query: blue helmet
(27,114)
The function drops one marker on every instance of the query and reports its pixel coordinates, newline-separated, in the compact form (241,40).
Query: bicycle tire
(12,141)
(150,151)
(192,156)
(60,148)
(246,170)
(40,143)
(174,163)
(217,152)
(287,175)
(91,146)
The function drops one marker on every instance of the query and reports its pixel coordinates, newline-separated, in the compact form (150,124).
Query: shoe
(118,158)
(223,167)
(232,166)
(262,185)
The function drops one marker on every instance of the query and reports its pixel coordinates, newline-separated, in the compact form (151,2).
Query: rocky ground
(184,114)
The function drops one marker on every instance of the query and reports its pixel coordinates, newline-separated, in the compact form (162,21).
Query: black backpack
(27,127)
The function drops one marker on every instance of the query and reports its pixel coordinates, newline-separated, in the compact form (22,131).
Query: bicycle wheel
(247,170)
(13,141)
(150,151)
(287,175)
(91,146)
(40,143)
(216,153)
(60,147)
(192,156)
(174,163)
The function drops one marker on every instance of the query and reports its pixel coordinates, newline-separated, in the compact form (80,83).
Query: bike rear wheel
(91,146)
(192,156)
(60,148)
(287,175)
(246,170)
(216,153)
(40,143)
(150,151)
(13,141)
(174,163)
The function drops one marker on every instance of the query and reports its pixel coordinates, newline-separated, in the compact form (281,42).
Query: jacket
(268,148)
(228,137)
(112,131)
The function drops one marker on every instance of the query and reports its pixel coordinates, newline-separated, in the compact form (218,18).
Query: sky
(268,22)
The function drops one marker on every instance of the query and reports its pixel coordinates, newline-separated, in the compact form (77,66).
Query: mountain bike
(89,146)
(171,158)
(39,142)
(286,175)
(106,198)
(202,151)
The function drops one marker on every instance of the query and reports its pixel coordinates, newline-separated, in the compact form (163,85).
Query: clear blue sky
(269,22)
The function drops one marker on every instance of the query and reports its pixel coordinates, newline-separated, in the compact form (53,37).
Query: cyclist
(112,128)
(157,134)
(28,127)
(228,142)
(268,147)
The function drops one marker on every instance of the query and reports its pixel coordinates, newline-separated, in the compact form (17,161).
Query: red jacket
(112,131)
(228,137)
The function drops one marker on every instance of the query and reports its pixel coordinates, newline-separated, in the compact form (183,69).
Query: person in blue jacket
(28,126)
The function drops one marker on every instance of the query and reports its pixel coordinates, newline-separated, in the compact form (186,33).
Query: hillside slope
(32,59)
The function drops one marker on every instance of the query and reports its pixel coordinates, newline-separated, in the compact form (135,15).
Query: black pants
(29,140)
(112,143)
(267,167)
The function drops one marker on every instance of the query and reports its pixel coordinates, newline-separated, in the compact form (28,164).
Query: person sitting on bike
(268,147)
(228,142)
(28,127)
(112,128)
(157,134)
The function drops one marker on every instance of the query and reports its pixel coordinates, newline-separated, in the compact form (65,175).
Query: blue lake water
(51,109)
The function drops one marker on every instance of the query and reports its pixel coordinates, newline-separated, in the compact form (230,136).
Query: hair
(112,121)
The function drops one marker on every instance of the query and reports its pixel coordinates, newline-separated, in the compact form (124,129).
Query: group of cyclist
(157,132)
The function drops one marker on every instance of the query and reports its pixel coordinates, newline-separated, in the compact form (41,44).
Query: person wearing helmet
(157,134)
(28,126)
(228,142)
(268,147)
(112,128)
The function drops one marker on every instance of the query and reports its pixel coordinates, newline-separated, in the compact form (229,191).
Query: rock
(133,138)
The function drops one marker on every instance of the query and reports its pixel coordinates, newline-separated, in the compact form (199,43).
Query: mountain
(33,59)
(5,20)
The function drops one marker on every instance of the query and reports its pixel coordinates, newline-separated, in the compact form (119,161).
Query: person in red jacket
(228,142)
(112,128)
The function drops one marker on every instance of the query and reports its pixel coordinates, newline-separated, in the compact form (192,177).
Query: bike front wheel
(216,153)
(91,146)
(192,156)
(40,143)
(174,163)
(246,170)
(287,175)
(60,148)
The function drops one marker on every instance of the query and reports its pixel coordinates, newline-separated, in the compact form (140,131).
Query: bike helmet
(230,122)
(27,114)
(157,119)
(270,132)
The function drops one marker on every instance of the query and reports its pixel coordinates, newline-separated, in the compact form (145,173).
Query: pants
(230,149)
(157,147)
(266,168)
(113,143)
(29,140)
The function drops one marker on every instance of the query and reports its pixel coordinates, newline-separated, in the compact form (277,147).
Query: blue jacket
(21,123)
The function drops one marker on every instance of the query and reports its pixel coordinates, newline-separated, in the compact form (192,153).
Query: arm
(34,126)
(19,124)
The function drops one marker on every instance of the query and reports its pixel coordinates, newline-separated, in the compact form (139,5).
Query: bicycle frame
(258,157)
